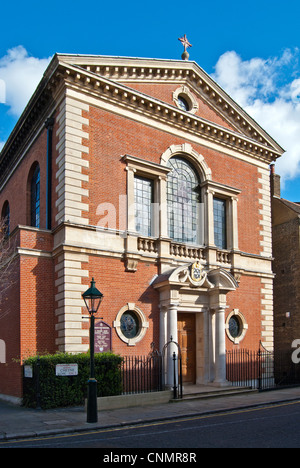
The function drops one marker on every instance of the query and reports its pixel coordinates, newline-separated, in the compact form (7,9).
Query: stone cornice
(105,78)
(122,95)
(128,70)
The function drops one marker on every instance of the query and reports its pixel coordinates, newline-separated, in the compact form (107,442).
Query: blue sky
(252,49)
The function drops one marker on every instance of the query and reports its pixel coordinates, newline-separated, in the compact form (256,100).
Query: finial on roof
(186,44)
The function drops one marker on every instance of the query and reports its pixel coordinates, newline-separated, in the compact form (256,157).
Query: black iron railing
(247,368)
(242,367)
(261,369)
(141,374)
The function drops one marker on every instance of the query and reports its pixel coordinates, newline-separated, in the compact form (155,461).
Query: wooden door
(187,343)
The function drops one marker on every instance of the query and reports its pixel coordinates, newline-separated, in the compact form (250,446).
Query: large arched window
(35,198)
(183,199)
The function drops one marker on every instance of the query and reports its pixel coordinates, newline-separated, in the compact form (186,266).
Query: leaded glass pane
(183,201)
(220,223)
(234,327)
(130,324)
(143,197)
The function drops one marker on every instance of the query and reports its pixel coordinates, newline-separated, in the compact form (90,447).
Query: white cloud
(2,91)
(21,74)
(269,90)
(2,143)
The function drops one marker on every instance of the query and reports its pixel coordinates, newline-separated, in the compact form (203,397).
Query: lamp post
(92,298)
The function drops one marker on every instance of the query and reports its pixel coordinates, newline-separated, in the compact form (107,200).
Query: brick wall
(27,306)
(119,288)
(286,284)
(10,372)
(17,190)
(112,136)
(247,299)
(88,171)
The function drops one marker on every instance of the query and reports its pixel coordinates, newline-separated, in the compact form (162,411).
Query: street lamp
(92,298)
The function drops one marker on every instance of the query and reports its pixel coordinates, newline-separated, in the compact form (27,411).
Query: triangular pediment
(151,77)
(128,84)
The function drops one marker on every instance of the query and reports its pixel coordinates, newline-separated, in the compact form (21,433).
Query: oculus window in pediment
(185,100)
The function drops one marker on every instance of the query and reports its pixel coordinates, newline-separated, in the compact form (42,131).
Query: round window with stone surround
(236,326)
(185,100)
(131,324)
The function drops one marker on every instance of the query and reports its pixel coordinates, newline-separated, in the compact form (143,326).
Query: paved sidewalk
(19,422)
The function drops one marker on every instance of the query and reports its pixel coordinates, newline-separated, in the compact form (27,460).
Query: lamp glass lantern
(92,298)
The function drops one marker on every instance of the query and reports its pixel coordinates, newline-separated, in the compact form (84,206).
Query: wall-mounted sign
(28,372)
(102,337)
(66,369)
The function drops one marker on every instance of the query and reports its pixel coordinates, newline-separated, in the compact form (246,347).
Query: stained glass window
(130,324)
(143,198)
(235,327)
(220,223)
(183,201)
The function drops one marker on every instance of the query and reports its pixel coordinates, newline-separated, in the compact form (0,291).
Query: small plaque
(28,372)
(102,337)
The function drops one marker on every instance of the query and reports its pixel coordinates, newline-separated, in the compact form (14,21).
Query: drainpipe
(49,126)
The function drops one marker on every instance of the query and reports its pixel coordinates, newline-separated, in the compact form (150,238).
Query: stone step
(218,393)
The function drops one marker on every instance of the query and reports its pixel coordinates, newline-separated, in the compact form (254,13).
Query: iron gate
(141,374)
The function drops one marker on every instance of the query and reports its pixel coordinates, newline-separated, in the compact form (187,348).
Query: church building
(146,176)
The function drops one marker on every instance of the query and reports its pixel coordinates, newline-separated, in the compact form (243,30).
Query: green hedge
(56,391)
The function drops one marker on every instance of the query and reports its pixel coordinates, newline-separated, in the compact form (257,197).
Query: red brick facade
(102,112)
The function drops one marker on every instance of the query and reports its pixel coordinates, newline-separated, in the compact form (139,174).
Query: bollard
(175,376)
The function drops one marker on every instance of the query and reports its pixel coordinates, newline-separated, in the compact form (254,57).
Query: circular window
(185,100)
(130,324)
(236,326)
(183,104)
